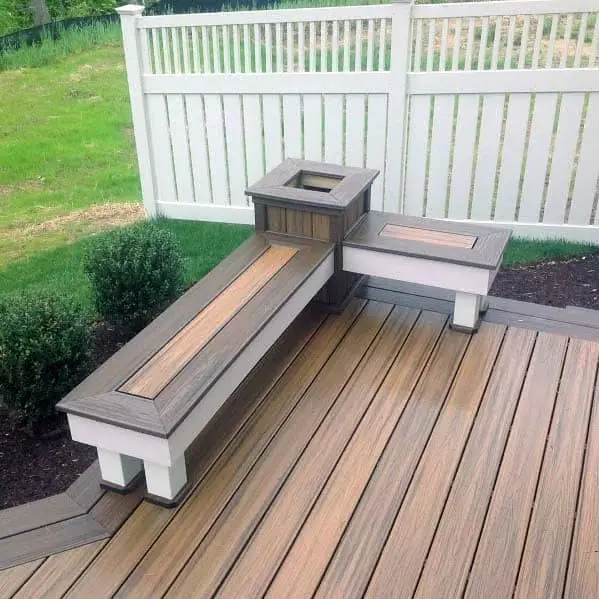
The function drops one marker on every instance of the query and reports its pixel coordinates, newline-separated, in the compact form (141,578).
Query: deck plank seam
(424,448)
(336,462)
(462,452)
(301,453)
(576,520)
(264,394)
(414,386)
(273,433)
(24,582)
(542,463)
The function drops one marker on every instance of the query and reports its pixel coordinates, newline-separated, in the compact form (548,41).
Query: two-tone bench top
(457,243)
(159,377)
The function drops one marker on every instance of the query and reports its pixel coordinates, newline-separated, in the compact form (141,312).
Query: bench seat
(462,258)
(149,401)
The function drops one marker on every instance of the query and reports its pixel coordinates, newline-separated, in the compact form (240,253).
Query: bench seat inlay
(429,236)
(155,374)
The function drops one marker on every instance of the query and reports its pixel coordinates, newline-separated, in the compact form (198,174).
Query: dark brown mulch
(37,467)
(34,467)
(560,284)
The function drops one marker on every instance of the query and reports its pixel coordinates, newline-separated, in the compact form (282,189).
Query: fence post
(401,27)
(130,15)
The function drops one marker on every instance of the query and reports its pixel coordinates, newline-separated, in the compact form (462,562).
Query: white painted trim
(504,82)
(120,440)
(434,273)
(165,481)
(189,429)
(273,83)
(466,310)
(509,8)
(240,215)
(294,15)
(118,469)
(584,233)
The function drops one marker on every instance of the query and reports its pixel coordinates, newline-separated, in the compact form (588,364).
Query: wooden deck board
(583,571)
(216,552)
(319,535)
(13,578)
(199,512)
(498,554)
(352,564)
(450,556)
(403,556)
(153,376)
(259,562)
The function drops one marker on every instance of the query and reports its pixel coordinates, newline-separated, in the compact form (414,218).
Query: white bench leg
(466,312)
(164,483)
(118,471)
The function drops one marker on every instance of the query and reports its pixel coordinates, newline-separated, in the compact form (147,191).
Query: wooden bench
(463,258)
(146,404)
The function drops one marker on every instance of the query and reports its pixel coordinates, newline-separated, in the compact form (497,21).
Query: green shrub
(44,352)
(134,273)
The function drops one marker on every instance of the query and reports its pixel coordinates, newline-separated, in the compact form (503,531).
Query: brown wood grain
(450,556)
(583,570)
(54,577)
(200,510)
(11,579)
(131,542)
(299,222)
(321,226)
(428,236)
(86,489)
(161,368)
(354,560)
(544,562)
(318,536)
(275,217)
(500,547)
(403,556)
(259,562)
(215,553)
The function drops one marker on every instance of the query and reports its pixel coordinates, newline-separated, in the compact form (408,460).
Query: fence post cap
(130,9)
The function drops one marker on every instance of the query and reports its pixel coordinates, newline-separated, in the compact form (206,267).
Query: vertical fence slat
(524,42)
(513,154)
(439,158)
(236,50)
(463,156)
(185,39)
(375,145)
(312,47)
(215,49)
(252,122)
(430,50)
(354,134)
(587,173)
(487,157)
(226,49)
(234,134)
(551,44)
(213,111)
(382,44)
(146,58)
(257,48)
(509,46)
(346,46)
(496,42)
(279,47)
(200,166)
(581,37)
(301,58)
(292,126)
(166,55)
(206,51)
(323,47)
(420,107)
(156,51)
(566,41)
(290,49)
(443,48)
(536,53)
(539,147)
(470,44)
(457,42)
(268,47)
(161,148)
(195,50)
(594,44)
(313,126)
(176,50)
(484,41)
(273,147)
(333,128)
(335,47)
(370,46)
(416,67)
(562,162)
(247,49)
(178,133)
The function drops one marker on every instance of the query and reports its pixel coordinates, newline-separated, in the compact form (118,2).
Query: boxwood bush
(134,272)
(45,346)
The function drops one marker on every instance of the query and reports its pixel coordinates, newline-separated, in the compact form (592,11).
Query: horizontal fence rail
(472,111)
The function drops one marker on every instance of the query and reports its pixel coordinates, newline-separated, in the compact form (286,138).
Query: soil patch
(37,467)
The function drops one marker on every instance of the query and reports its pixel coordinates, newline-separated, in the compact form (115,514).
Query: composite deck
(377,453)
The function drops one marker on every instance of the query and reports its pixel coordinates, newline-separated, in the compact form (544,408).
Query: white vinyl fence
(474,111)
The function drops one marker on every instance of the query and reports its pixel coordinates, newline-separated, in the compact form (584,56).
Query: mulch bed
(37,467)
